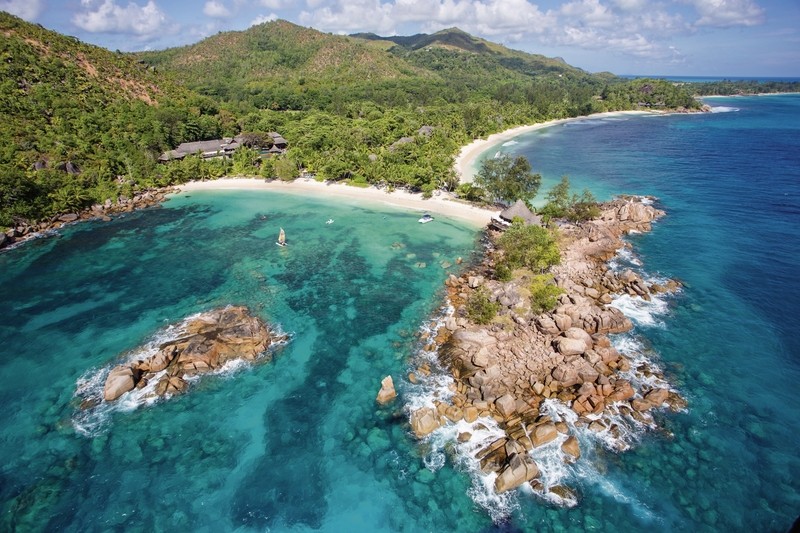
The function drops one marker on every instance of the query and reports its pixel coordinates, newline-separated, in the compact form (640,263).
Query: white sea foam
(641,311)
(592,476)
(724,109)
(509,143)
(32,236)
(624,259)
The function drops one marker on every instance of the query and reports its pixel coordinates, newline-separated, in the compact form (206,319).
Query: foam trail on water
(591,476)
(624,259)
(724,109)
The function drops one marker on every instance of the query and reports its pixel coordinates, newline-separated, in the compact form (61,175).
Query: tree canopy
(562,204)
(508,179)
(529,246)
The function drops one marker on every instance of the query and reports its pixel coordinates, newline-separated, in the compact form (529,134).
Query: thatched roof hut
(519,209)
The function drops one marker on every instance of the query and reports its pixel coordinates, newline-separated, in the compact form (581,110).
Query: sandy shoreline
(443,203)
(470,152)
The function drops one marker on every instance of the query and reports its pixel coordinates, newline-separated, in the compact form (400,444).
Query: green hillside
(80,123)
(279,65)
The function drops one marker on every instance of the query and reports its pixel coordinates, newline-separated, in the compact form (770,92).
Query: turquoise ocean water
(299,444)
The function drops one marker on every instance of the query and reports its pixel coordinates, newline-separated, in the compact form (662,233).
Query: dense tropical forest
(82,124)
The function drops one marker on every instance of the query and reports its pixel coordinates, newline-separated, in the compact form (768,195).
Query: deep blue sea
(299,444)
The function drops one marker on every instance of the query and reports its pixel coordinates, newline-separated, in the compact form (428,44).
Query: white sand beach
(442,203)
(469,153)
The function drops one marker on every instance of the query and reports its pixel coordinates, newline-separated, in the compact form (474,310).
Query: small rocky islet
(203,343)
(507,370)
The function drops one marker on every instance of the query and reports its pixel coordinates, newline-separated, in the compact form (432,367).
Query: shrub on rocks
(544,293)
(480,309)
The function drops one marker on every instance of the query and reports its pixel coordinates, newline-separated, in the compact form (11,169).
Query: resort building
(221,148)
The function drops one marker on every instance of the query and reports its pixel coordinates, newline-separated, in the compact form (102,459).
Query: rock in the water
(387,392)
(544,433)
(204,343)
(520,468)
(571,447)
(657,396)
(424,421)
(120,380)
(171,385)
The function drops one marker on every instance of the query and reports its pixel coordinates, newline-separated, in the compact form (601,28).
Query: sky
(645,37)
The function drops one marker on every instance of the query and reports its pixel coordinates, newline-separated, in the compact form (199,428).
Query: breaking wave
(723,109)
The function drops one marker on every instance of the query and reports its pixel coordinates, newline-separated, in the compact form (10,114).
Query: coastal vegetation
(480,308)
(83,125)
(528,246)
(561,203)
(742,87)
(506,179)
(544,293)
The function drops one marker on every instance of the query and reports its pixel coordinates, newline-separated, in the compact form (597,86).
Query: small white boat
(425,219)
(330,221)
(281,238)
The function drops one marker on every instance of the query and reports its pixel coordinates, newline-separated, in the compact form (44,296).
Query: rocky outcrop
(507,369)
(424,421)
(519,469)
(204,343)
(120,380)
(142,199)
(387,393)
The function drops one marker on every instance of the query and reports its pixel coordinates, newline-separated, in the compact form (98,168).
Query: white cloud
(636,28)
(618,26)
(261,19)
(273,4)
(107,16)
(497,17)
(350,16)
(727,13)
(590,13)
(25,9)
(487,17)
(630,5)
(216,9)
